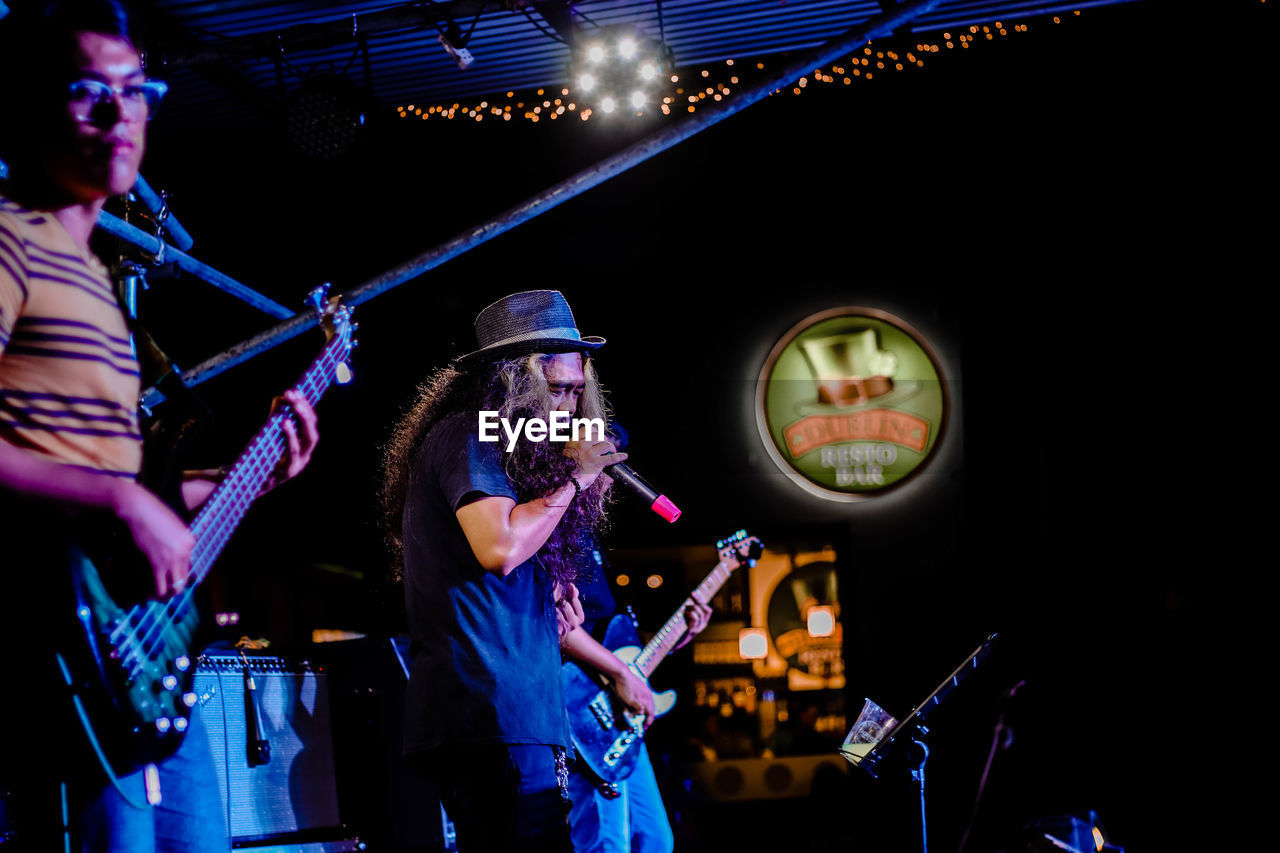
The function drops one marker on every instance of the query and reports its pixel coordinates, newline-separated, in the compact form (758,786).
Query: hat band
(558,333)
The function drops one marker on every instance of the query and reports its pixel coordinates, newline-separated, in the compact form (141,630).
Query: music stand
(915,720)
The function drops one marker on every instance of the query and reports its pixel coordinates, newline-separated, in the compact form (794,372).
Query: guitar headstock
(739,549)
(335,319)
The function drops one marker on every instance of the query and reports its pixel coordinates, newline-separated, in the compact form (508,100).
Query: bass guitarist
(76,103)
(629,816)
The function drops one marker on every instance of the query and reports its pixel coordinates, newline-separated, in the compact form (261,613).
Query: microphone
(625,475)
(661,504)
(259,748)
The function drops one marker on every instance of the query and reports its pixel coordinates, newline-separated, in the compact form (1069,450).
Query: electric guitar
(605,732)
(132,663)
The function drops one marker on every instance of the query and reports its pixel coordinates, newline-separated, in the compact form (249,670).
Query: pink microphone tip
(665,508)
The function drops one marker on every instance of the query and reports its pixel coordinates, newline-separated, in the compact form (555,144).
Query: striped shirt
(69,380)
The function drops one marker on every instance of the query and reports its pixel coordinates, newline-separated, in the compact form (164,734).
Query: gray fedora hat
(528,322)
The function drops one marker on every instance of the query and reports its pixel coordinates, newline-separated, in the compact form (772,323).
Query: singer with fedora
(487,541)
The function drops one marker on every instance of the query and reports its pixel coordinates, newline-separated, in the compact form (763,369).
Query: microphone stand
(913,729)
(919,754)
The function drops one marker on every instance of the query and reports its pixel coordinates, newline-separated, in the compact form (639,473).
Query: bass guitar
(132,664)
(605,732)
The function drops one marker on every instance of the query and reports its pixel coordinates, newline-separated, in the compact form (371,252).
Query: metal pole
(316,36)
(637,153)
(162,251)
(243,351)
(883,25)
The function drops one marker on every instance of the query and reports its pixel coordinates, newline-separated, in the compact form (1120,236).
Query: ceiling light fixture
(618,67)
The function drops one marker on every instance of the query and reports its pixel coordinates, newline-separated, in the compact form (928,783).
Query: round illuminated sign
(851,403)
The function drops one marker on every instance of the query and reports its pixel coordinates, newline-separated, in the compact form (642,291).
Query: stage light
(613,63)
(654,581)
(753,644)
(821,621)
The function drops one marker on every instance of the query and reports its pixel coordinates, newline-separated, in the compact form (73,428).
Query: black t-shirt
(486,652)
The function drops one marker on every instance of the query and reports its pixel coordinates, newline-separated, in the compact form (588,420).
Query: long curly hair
(515,388)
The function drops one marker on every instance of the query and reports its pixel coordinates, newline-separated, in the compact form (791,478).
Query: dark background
(1064,214)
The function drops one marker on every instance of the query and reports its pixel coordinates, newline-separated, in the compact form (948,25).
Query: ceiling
(238,58)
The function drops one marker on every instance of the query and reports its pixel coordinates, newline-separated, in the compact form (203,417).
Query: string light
(842,73)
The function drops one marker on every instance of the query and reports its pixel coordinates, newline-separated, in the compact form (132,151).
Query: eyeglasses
(137,101)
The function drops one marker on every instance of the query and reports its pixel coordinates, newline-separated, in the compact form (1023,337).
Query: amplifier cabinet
(295,791)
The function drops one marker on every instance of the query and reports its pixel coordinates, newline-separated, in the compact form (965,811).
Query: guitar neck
(229,502)
(671,633)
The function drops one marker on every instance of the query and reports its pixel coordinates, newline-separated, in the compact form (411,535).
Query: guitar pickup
(602,710)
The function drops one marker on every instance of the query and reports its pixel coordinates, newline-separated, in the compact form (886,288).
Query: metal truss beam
(878,27)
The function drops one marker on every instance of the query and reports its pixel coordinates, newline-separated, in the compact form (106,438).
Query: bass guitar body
(133,668)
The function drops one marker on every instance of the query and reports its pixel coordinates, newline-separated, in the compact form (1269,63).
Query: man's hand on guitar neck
(165,539)
(198,485)
(300,443)
(696,615)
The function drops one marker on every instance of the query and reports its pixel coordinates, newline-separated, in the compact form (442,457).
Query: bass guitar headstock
(739,549)
(335,319)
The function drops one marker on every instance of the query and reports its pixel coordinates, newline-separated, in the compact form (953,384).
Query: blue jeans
(189,818)
(502,798)
(635,822)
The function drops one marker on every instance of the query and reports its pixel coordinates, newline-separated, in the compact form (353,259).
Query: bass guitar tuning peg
(318,296)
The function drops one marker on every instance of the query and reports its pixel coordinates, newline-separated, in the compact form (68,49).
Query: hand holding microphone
(592,458)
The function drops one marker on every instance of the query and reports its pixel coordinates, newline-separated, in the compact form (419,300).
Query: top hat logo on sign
(850,403)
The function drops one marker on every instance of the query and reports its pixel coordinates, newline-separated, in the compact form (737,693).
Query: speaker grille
(295,790)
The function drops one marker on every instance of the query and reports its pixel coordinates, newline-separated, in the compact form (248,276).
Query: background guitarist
(633,818)
(76,103)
